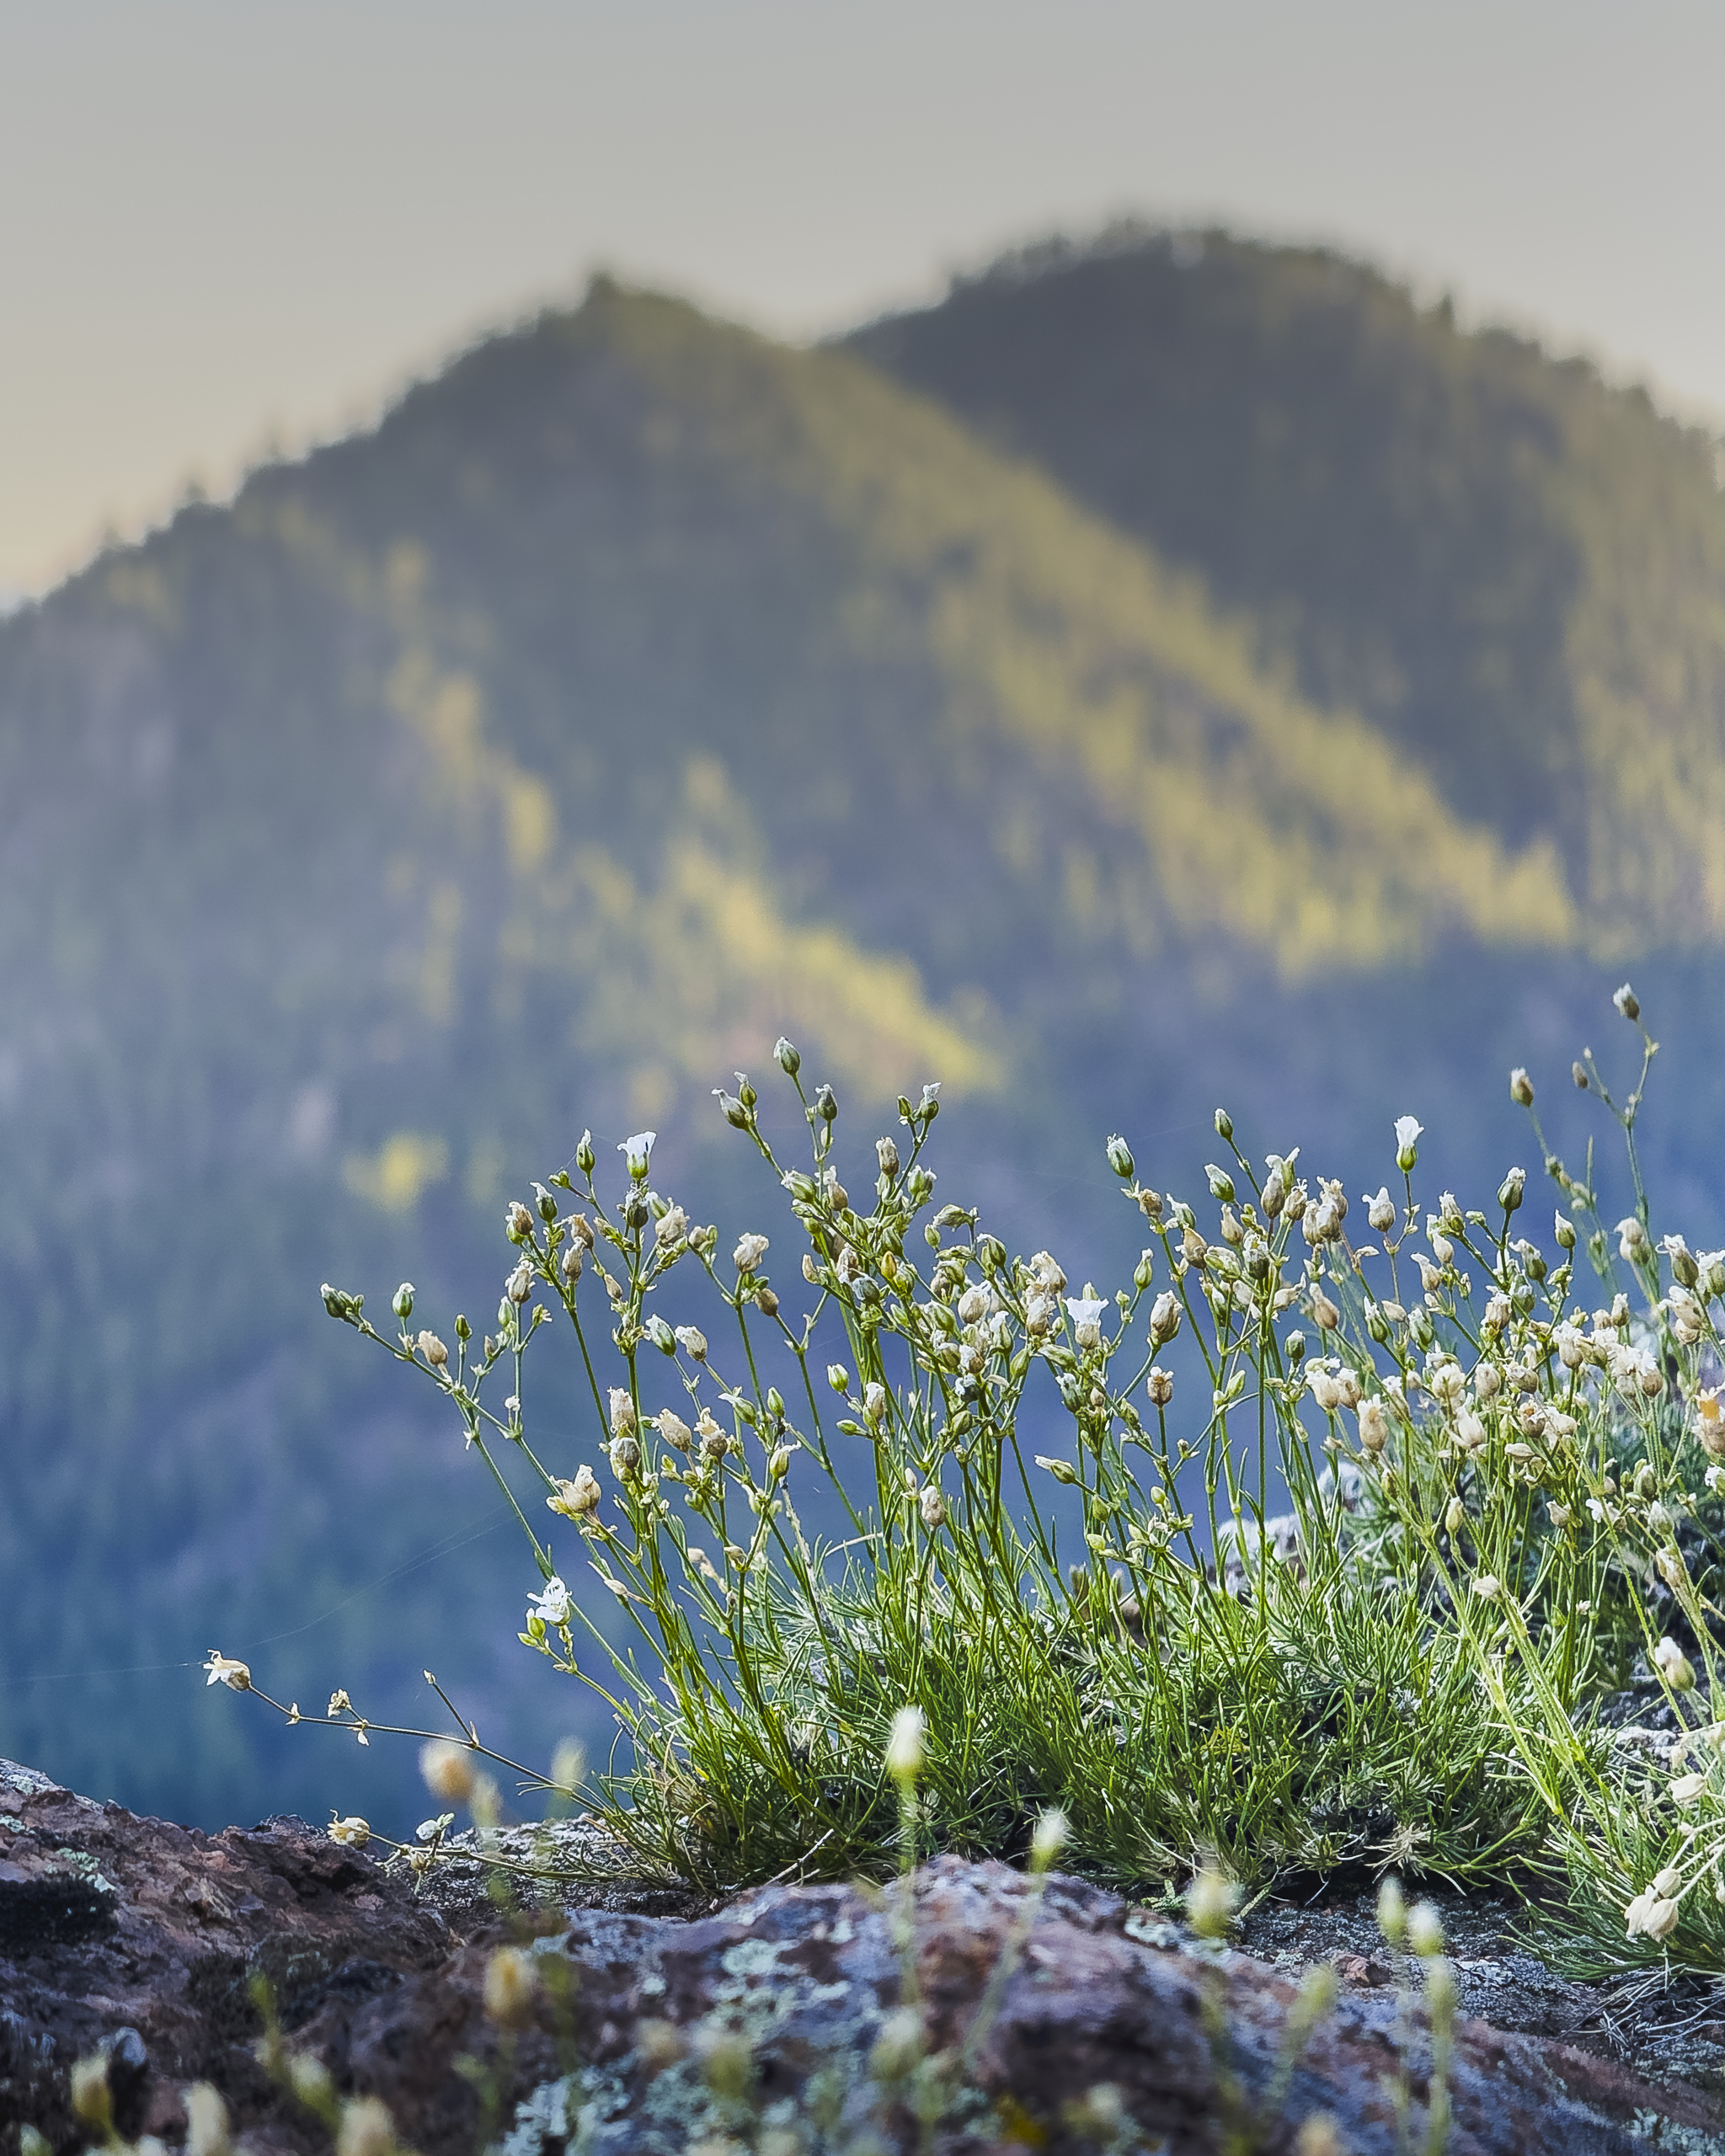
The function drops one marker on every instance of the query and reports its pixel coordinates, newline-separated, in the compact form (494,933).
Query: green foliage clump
(1500,1509)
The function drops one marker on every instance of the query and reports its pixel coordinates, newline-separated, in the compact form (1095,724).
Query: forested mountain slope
(1514,571)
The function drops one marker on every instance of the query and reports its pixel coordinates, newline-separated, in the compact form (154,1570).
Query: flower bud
(1392,1912)
(1520,1088)
(520,1283)
(1425,1930)
(1050,1836)
(91,2099)
(1225,1126)
(735,1112)
(402,1305)
(788,1059)
(827,1104)
(1324,1311)
(1164,1318)
(575,1499)
(779,1466)
(518,1222)
(1578,1071)
(1673,1665)
(1160,1386)
(1509,1191)
(904,1747)
(1062,1469)
(874,1404)
(727,2062)
(352,1833)
(512,1987)
(933,1507)
(310,2079)
(1565,1231)
(1209,1904)
(1120,1157)
(1624,999)
(898,2050)
(433,1349)
(1409,1131)
(1222,1183)
(448,1771)
(209,2129)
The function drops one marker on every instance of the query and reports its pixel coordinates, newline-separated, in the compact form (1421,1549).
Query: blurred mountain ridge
(637,690)
(1514,570)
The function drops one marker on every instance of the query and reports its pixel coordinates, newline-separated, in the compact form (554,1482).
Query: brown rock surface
(108,1922)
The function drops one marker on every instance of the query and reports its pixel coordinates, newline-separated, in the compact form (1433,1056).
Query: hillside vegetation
(1515,572)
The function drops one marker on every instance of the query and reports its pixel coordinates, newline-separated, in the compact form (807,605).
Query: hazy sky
(227,221)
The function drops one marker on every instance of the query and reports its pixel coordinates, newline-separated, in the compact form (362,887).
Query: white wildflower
(638,1150)
(1086,1312)
(552,1605)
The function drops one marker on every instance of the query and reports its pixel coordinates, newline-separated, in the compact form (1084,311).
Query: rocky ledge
(776,2021)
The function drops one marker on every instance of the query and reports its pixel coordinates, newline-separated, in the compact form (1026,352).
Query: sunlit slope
(1516,572)
(633,535)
